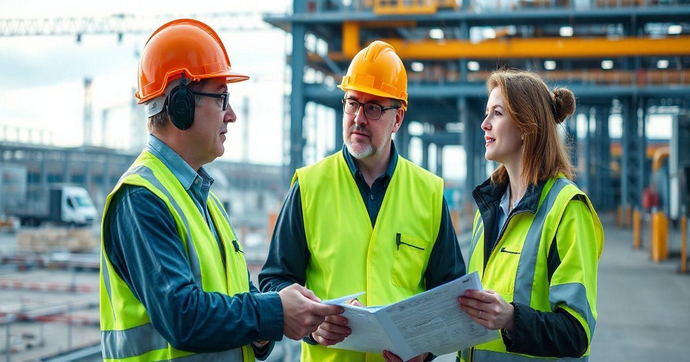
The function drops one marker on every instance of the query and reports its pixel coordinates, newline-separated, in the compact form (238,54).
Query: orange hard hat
(182,47)
(377,70)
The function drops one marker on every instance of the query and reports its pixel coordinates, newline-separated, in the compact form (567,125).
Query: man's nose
(230,115)
(360,118)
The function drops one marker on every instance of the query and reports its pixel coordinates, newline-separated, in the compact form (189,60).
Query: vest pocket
(408,262)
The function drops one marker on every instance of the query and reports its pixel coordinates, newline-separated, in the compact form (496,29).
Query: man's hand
(392,357)
(303,312)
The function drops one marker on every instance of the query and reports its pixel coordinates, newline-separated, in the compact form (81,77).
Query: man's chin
(359,151)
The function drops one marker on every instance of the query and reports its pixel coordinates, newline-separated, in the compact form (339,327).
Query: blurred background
(70,126)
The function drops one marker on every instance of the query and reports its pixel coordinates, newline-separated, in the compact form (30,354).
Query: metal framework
(440,37)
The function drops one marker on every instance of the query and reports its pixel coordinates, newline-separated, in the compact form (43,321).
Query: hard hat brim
(230,76)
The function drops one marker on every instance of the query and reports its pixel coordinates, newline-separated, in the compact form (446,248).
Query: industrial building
(626,58)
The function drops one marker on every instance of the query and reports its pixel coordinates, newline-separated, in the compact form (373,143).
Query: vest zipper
(498,239)
(399,242)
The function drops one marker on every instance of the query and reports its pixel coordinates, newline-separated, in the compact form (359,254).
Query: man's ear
(399,116)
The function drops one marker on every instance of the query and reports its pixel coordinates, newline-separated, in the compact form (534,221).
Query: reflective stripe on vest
(492,356)
(147,174)
(523,289)
(387,261)
(134,338)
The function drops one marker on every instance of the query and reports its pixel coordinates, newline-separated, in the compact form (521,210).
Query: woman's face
(503,139)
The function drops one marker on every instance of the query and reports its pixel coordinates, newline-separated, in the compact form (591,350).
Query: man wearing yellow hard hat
(174,282)
(364,219)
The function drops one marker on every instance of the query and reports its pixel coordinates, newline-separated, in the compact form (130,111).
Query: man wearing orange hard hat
(364,219)
(174,281)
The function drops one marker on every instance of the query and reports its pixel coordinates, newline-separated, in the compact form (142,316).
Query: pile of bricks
(46,240)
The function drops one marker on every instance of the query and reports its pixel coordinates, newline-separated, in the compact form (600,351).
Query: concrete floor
(644,308)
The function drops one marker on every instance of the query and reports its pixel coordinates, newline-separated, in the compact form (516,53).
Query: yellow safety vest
(126,330)
(387,262)
(517,267)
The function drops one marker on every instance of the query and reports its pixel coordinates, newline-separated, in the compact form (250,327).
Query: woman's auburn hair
(535,111)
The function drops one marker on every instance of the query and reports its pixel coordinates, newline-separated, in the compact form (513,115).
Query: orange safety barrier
(637,230)
(659,236)
(456,219)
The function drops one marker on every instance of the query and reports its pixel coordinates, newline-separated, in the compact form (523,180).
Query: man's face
(367,137)
(207,133)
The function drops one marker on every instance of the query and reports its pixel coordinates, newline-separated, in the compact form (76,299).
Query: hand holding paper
(427,322)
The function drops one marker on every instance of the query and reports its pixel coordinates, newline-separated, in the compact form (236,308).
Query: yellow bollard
(659,236)
(683,244)
(637,230)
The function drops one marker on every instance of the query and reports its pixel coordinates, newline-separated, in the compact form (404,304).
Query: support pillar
(298,61)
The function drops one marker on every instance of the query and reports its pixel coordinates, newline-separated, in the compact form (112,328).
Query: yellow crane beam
(542,48)
(511,48)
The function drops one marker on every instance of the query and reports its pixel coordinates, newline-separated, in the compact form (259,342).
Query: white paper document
(427,322)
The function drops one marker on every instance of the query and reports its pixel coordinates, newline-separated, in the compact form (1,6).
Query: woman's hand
(489,309)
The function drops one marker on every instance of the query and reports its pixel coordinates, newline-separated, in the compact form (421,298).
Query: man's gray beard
(368,151)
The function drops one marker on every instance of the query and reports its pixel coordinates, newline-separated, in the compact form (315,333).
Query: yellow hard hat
(377,70)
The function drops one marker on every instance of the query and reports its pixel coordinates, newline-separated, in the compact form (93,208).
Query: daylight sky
(43,76)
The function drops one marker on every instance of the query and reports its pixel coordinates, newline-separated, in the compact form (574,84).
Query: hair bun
(564,104)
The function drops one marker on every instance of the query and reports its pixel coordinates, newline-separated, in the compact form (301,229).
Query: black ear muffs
(181,106)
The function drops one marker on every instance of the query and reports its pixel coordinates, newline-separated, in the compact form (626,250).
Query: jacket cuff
(262,352)
(310,340)
(512,339)
(270,310)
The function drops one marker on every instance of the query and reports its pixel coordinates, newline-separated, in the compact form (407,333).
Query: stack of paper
(427,322)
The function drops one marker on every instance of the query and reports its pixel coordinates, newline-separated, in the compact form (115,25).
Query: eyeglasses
(222,96)
(372,111)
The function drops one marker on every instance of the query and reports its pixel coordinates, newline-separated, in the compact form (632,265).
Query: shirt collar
(488,193)
(505,201)
(176,164)
(392,163)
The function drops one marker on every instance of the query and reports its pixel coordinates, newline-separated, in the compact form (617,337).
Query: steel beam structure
(298,62)
(632,146)
(605,191)
(587,178)
(322,94)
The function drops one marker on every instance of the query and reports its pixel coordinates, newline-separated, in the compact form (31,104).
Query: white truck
(66,205)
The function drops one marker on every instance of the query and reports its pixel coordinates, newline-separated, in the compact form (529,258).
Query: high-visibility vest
(387,262)
(126,330)
(517,268)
